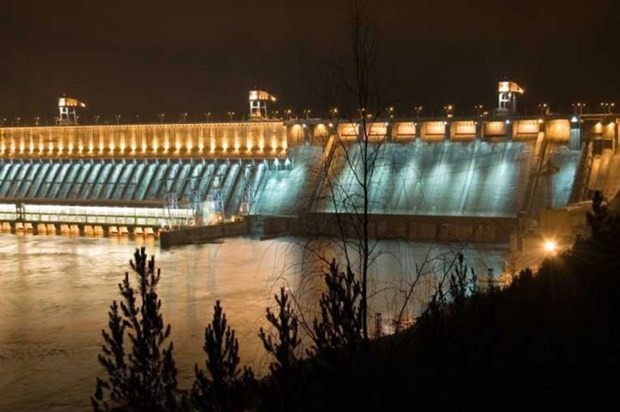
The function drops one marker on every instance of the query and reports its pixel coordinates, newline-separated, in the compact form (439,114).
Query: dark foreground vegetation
(550,338)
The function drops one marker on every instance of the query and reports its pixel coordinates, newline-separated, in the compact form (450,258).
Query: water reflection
(55,292)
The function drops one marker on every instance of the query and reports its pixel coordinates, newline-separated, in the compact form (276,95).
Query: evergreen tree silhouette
(142,376)
(282,385)
(224,386)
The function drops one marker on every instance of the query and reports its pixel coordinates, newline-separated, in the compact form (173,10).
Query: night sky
(141,58)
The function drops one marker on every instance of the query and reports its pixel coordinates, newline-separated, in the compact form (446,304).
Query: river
(55,292)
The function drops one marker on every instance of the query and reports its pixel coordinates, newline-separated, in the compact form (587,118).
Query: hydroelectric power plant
(478,178)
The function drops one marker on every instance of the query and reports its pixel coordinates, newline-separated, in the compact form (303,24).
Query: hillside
(549,338)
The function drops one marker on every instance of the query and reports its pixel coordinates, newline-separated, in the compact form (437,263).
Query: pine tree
(342,372)
(282,385)
(284,345)
(224,386)
(143,378)
(341,322)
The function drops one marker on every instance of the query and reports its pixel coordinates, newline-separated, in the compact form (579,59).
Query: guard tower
(508,92)
(67,107)
(258,104)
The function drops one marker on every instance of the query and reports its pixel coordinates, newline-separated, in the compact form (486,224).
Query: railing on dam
(95,215)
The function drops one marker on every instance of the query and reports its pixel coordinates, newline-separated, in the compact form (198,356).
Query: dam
(428,174)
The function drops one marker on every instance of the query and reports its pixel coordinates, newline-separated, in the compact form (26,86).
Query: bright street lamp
(578,108)
(608,106)
(544,109)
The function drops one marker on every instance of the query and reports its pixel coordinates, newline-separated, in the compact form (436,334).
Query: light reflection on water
(55,293)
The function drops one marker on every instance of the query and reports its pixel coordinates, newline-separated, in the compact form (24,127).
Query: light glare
(550,246)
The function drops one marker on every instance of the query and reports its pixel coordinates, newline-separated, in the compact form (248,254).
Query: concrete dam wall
(453,178)
(435,167)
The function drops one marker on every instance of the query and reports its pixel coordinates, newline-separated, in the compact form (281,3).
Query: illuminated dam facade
(146,175)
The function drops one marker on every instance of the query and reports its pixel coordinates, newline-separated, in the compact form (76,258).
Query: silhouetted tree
(142,377)
(283,346)
(358,151)
(342,369)
(597,215)
(224,386)
(341,324)
(282,385)
(463,282)
(359,82)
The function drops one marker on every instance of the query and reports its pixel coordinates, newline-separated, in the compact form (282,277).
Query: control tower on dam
(497,166)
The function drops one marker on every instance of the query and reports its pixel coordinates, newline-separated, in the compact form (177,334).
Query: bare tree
(359,152)
(354,147)
(355,152)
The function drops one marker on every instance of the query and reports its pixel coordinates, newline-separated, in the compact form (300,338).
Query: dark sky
(145,57)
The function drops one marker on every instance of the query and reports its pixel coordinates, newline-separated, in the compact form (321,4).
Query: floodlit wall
(495,128)
(558,130)
(434,130)
(321,133)
(286,191)
(609,130)
(420,178)
(526,128)
(404,130)
(604,132)
(146,140)
(348,131)
(417,173)
(554,189)
(375,130)
(463,130)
